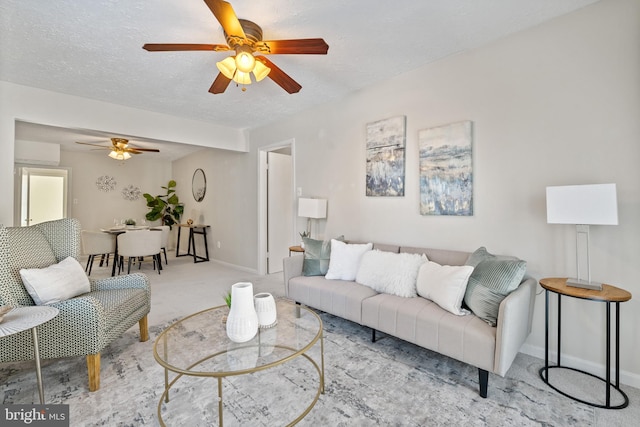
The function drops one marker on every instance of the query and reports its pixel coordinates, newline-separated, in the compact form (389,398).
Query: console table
(194,230)
(609,294)
(22,318)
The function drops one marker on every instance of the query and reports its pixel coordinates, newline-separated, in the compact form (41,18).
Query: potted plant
(227,300)
(165,207)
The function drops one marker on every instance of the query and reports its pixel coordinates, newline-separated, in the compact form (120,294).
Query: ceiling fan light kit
(245,38)
(120,149)
(119,155)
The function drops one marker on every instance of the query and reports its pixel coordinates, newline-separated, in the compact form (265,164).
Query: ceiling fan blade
(164,47)
(224,13)
(132,151)
(296,46)
(220,84)
(281,78)
(150,150)
(93,145)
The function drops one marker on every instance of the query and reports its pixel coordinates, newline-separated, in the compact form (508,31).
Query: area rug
(386,383)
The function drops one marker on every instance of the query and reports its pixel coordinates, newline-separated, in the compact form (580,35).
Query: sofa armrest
(292,267)
(514,324)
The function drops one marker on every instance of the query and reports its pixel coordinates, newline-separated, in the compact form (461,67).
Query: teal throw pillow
(316,257)
(493,278)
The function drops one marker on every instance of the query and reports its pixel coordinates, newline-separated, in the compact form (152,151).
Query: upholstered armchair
(88,322)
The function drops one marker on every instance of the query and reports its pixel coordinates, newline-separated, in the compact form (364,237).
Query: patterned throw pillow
(493,278)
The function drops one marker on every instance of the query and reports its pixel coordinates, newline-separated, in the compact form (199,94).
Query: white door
(43,195)
(279,209)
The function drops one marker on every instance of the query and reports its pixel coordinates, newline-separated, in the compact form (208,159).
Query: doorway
(277,205)
(41,194)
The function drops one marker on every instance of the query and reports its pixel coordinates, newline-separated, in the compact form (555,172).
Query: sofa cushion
(423,322)
(58,282)
(493,278)
(345,259)
(391,273)
(336,297)
(444,284)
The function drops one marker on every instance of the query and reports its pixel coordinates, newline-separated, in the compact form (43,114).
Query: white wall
(229,205)
(558,104)
(56,109)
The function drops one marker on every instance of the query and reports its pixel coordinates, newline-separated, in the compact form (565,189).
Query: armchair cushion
(58,282)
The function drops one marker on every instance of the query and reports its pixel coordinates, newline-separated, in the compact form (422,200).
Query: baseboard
(626,377)
(237,267)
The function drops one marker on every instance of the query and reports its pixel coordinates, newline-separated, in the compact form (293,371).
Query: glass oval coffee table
(198,346)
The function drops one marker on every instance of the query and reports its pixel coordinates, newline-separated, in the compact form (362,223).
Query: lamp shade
(594,204)
(312,208)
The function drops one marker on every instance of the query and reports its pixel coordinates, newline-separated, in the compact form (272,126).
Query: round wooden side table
(22,318)
(608,295)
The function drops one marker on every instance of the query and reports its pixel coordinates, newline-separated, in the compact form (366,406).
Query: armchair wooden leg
(144,329)
(93,367)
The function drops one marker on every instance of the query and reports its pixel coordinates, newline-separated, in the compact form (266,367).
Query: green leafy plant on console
(165,207)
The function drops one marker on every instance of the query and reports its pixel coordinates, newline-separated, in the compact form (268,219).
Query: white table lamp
(312,209)
(582,205)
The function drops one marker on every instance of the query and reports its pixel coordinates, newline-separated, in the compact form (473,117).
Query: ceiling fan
(121,149)
(245,38)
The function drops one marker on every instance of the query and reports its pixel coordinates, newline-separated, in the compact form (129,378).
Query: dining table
(119,229)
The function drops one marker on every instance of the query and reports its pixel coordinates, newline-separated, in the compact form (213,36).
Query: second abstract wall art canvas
(446,170)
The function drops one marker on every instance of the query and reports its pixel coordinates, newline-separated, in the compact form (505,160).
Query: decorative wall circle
(131,192)
(106,183)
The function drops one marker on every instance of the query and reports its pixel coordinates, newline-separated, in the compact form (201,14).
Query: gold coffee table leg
(220,401)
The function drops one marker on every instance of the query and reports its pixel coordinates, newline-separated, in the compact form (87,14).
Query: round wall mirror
(199,185)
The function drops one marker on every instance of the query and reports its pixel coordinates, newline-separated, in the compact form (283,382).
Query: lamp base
(577,283)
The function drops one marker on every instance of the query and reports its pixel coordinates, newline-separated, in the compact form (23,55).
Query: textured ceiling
(94,49)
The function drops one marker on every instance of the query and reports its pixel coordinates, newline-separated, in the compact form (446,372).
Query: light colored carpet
(387,383)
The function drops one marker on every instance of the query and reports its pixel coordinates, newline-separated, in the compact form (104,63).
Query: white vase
(266,309)
(242,322)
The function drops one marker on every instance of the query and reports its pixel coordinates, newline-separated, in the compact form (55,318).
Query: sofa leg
(484,382)
(93,367)
(144,329)
(373,335)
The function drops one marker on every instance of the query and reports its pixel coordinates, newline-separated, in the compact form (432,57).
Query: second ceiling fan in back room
(120,149)
(245,38)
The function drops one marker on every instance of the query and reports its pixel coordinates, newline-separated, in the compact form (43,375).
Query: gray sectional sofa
(419,320)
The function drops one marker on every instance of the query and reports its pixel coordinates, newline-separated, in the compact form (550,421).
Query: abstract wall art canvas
(446,170)
(385,156)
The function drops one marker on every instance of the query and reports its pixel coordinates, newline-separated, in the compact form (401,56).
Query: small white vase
(266,309)
(242,322)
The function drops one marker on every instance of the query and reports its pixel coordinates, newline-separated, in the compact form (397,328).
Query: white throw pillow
(345,259)
(390,273)
(55,283)
(444,284)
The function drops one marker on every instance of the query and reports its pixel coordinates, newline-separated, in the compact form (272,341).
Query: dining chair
(165,239)
(135,245)
(97,243)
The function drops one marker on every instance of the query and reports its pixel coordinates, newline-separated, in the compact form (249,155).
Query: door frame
(262,197)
